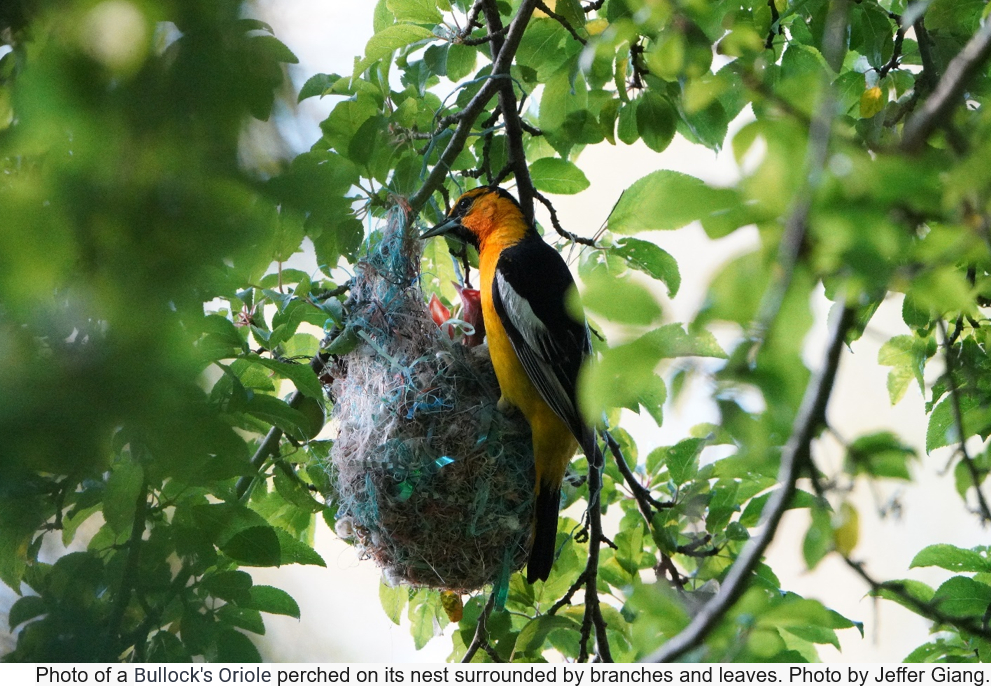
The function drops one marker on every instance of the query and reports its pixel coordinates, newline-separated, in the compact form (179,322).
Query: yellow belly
(553,443)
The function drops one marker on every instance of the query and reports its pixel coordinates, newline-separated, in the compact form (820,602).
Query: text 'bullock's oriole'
(536,345)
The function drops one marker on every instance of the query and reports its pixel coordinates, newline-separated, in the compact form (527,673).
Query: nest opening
(432,481)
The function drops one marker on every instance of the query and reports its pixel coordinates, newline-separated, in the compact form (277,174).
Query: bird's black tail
(544,534)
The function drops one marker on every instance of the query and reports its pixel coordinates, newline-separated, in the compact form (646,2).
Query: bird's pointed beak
(444,227)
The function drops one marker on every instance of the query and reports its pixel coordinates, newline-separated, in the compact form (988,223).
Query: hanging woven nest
(432,481)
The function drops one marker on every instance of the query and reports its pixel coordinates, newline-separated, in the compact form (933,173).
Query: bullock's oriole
(536,345)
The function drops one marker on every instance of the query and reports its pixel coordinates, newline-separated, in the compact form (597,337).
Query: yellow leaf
(846,529)
(451,602)
(872,101)
(596,26)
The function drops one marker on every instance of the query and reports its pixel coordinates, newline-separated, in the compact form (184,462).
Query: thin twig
(927,610)
(484,39)
(566,598)
(644,499)
(794,455)
(896,54)
(937,107)
(562,20)
(593,6)
(481,638)
(473,16)
(954,391)
(593,611)
(468,115)
(129,576)
(556,223)
(771,32)
(531,129)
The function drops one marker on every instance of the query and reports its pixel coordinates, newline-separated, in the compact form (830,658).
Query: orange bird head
(484,215)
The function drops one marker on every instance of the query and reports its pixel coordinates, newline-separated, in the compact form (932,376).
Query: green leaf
(880,454)
(818,539)
(235,647)
(166,647)
(651,260)
(896,591)
(274,49)
(393,599)
(317,85)
(231,586)
(619,299)
(952,558)
(672,340)
(682,459)
(295,492)
(665,200)
(626,128)
(460,61)
(278,413)
(295,552)
(302,375)
(755,508)
(121,496)
(272,600)
(388,39)
(242,618)
(534,633)
(943,429)
(545,48)
(256,546)
(961,596)
(872,34)
(415,11)
(907,356)
(26,608)
(554,175)
(221,339)
(657,121)
(425,611)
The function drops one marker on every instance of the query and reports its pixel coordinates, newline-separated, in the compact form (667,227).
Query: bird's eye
(464,204)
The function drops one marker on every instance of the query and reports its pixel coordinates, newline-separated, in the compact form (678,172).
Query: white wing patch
(526,321)
(538,361)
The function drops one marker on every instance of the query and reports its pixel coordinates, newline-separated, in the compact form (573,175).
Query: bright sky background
(342,618)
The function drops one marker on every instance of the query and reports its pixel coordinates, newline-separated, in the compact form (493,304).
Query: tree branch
(556,223)
(566,598)
(511,116)
(896,53)
(593,611)
(947,94)
(468,115)
(481,638)
(128,576)
(968,461)
(793,240)
(270,444)
(927,610)
(644,499)
(562,20)
(796,453)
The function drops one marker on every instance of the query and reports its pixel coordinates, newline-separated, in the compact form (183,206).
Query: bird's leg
(505,406)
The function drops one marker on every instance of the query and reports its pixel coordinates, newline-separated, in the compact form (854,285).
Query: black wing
(529,292)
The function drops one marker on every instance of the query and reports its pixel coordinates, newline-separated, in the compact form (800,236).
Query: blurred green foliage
(148,345)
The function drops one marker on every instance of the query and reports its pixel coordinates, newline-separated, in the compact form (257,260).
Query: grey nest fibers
(432,481)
